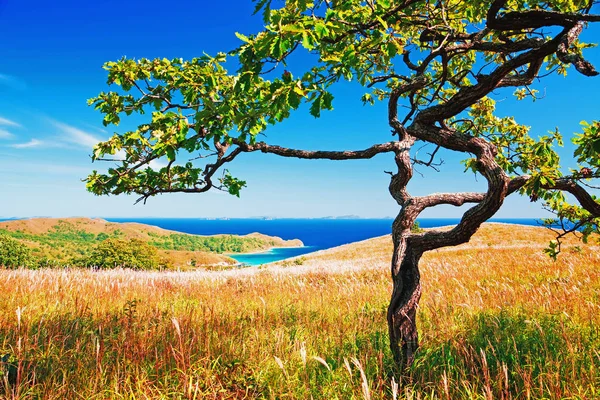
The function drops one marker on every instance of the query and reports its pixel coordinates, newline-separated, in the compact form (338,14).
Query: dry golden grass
(498,320)
(374,253)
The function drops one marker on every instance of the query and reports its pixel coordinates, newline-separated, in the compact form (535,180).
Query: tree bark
(406,292)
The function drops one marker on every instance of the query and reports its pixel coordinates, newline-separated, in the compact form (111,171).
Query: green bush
(101,237)
(14,254)
(416,228)
(132,253)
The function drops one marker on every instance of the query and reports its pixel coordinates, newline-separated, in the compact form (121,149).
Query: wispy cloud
(4,134)
(66,136)
(31,143)
(75,135)
(8,122)
(5,122)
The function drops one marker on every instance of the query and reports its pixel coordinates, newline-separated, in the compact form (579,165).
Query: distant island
(72,241)
(342,217)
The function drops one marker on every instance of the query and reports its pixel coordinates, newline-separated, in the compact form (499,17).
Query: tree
(434,63)
(14,254)
(132,253)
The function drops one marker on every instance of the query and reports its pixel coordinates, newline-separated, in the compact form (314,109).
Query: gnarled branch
(318,154)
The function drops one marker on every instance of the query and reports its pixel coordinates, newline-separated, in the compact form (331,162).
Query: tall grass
(496,322)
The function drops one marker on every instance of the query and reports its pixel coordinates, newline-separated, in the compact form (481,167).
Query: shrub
(299,260)
(132,253)
(101,237)
(14,254)
(416,228)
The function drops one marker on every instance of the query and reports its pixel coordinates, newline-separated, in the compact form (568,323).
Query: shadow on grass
(501,354)
(508,354)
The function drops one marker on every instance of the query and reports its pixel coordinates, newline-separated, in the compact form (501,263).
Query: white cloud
(8,122)
(31,143)
(157,164)
(4,134)
(76,136)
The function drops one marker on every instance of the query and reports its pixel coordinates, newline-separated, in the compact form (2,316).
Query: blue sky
(51,55)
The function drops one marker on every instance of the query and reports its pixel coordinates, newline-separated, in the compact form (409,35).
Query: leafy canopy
(439,60)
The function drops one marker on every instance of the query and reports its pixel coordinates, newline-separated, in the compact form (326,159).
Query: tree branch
(566,184)
(582,66)
(453,199)
(318,154)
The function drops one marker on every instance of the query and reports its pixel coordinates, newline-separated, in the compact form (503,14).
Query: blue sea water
(316,234)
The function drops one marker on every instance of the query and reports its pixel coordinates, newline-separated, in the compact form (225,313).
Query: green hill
(70,241)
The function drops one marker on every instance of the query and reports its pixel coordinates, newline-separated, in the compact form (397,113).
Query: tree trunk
(402,311)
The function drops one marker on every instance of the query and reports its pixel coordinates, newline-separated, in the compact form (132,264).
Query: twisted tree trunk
(402,311)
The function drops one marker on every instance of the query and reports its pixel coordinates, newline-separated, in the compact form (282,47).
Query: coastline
(269,250)
(320,251)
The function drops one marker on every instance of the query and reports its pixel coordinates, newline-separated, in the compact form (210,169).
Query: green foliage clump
(132,253)
(14,254)
(214,244)
(101,237)
(416,228)
(64,244)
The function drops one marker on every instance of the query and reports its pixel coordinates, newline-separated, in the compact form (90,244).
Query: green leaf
(330,13)
(315,108)
(294,99)
(327,100)
(307,40)
(243,38)
(170,154)
(264,5)
(321,30)
(368,98)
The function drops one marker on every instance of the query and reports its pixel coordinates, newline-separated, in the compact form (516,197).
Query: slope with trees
(49,242)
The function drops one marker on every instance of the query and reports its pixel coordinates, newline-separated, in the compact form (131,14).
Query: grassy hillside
(65,241)
(498,320)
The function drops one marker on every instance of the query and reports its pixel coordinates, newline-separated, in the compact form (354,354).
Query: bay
(316,234)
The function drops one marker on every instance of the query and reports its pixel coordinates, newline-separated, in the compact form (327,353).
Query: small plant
(416,228)
(299,260)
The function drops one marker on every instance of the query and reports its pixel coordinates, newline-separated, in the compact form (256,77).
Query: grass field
(498,320)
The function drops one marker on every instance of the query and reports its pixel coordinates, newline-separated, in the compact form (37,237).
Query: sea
(316,234)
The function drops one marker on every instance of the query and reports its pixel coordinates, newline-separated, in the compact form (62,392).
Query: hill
(65,240)
(493,239)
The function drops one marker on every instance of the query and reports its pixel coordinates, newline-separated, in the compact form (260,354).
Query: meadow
(498,320)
